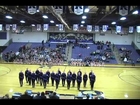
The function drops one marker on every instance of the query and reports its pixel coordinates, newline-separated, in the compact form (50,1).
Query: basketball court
(116,81)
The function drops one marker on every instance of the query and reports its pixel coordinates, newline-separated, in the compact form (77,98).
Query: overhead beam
(59,17)
(106,15)
(21,12)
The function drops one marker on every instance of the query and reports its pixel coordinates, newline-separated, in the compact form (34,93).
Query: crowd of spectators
(39,55)
(101,55)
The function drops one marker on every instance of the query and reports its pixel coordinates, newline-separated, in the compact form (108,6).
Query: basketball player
(21,78)
(92,80)
(57,79)
(63,77)
(69,78)
(29,77)
(40,77)
(85,78)
(48,73)
(52,78)
(73,79)
(33,78)
(37,75)
(26,75)
(79,80)
(45,79)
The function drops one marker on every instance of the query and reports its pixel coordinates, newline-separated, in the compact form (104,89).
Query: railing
(9,42)
(134,45)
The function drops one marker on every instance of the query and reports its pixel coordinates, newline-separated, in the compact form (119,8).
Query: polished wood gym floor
(116,81)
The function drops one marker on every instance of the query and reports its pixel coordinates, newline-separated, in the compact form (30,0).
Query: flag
(131,29)
(96,28)
(104,28)
(7,27)
(14,27)
(0,27)
(58,9)
(123,10)
(118,29)
(38,27)
(138,29)
(45,27)
(75,27)
(32,9)
(78,10)
(89,28)
(61,27)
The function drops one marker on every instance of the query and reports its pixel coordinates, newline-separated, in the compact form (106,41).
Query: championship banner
(0,27)
(75,27)
(32,9)
(7,27)
(97,29)
(131,29)
(123,10)
(89,28)
(138,29)
(14,27)
(58,9)
(104,28)
(78,10)
(45,27)
(118,29)
(61,27)
(38,27)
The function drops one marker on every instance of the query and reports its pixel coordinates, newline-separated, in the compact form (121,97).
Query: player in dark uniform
(59,72)
(33,77)
(29,77)
(26,75)
(52,78)
(63,77)
(79,80)
(92,80)
(37,76)
(73,79)
(90,73)
(45,80)
(49,74)
(21,78)
(79,72)
(69,78)
(57,80)
(40,77)
(69,72)
(85,78)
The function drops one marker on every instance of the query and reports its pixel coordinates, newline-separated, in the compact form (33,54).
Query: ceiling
(97,15)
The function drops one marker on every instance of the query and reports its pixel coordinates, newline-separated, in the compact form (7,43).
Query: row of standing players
(43,78)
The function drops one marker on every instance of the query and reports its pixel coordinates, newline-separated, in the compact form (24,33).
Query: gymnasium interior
(101,39)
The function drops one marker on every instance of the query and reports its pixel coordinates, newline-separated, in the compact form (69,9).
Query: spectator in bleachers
(43,95)
(54,96)
(37,96)
(26,96)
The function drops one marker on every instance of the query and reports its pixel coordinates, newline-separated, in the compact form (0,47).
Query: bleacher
(134,55)
(86,52)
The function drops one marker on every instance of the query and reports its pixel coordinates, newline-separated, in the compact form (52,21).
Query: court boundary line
(7,72)
(126,81)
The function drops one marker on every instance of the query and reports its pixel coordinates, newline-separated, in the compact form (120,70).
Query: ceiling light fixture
(135,12)
(122,18)
(45,16)
(9,17)
(113,23)
(33,25)
(86,10)
(84,17)
(82,22)
(22,21)
(51,21)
